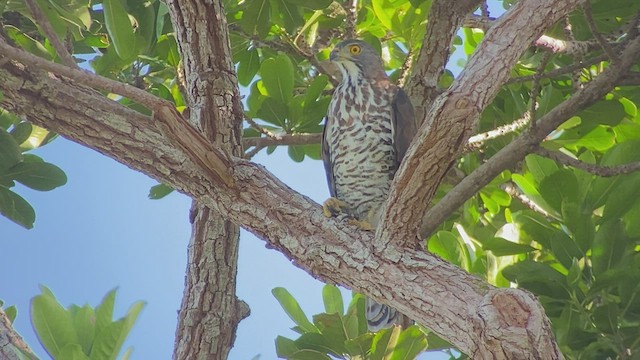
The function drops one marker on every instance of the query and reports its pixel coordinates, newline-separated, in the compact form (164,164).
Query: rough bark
(439,295)
(480,320)
(453,117)
(210,311)
(12,346)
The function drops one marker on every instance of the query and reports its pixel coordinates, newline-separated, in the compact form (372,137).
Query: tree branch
(599,170)
(210,311)
(524,143)
(45,25)
(604,44)
(454,115)
(12,346)
(455,305)
(477,141)
(287,139)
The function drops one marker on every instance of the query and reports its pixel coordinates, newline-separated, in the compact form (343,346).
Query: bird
(369,126)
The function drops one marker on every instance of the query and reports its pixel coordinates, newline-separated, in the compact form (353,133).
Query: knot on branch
(512,320)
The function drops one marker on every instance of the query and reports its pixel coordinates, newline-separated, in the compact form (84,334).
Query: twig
(251,153)
(477,141)
(84,77)
(560,71)
(260,128)
(599,170)
(287,139)
(484,10)
(405,70)
(512,190)
(43,22)
(608,49)
(535,87)
(350,21)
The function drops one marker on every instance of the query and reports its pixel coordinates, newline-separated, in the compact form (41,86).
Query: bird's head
(357,58)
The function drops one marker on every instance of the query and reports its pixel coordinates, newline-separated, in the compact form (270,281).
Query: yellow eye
(354,49)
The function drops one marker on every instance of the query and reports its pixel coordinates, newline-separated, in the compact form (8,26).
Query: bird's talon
(361,224)
(333,207)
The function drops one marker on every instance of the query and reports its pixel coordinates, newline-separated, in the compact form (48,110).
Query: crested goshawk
(369,127)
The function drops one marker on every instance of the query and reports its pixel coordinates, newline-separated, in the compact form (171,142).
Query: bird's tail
(381,316)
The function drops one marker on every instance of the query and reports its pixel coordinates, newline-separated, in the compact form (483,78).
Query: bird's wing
(326,159)
(404,124)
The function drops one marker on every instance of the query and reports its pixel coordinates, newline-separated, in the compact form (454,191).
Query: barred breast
(362,155)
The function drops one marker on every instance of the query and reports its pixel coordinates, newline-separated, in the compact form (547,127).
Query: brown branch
(477,141)
(210,311)
(45,25)
(599,170)
(405,70)
(536,87)
(455,114)
(514,192)
(604,44)
(630,79)
(288,139)
(445,17)
(351,18)
(260,129)
(524,143)
(253,152)
(459,307)
(560,71)
(12,346)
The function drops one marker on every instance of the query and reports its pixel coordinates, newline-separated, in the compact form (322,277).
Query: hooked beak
(334,54)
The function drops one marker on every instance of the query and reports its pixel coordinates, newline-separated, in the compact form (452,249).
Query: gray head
(356,58)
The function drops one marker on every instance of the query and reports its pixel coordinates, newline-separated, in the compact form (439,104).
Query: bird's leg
(333,207)
(366,224)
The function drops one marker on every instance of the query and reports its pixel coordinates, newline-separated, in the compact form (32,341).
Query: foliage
(336,334)
(17,165)
(569,236)
(80,332)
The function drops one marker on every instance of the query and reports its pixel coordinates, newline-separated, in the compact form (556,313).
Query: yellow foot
(362,224)
(333,207)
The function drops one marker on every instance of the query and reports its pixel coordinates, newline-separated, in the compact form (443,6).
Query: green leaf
(384,343)
(16,209)
(503,247)
(312,4)
(355,320)
(315,89)
(289,13)
(104,311)
(606,318)
(296,152)
(540,167)
(52,323)
(72,352)
(84,323)
(560,185)
(119,27)
(248,67)
(21,132)
(537,277)
(159,191)
(38,175)
(109,340)
(285,347)
(10,153)
(293,310)
(565,249)
(333,332)
(609,245)
(449,247)
(359,346)
(332,298)
(256,19)
(411,342)
(273,111)
(277,77)
(11,312)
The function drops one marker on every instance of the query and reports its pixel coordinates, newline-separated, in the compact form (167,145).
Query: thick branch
(457,306)
(524,144)
(454,116)
(12,346)
(210,311)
